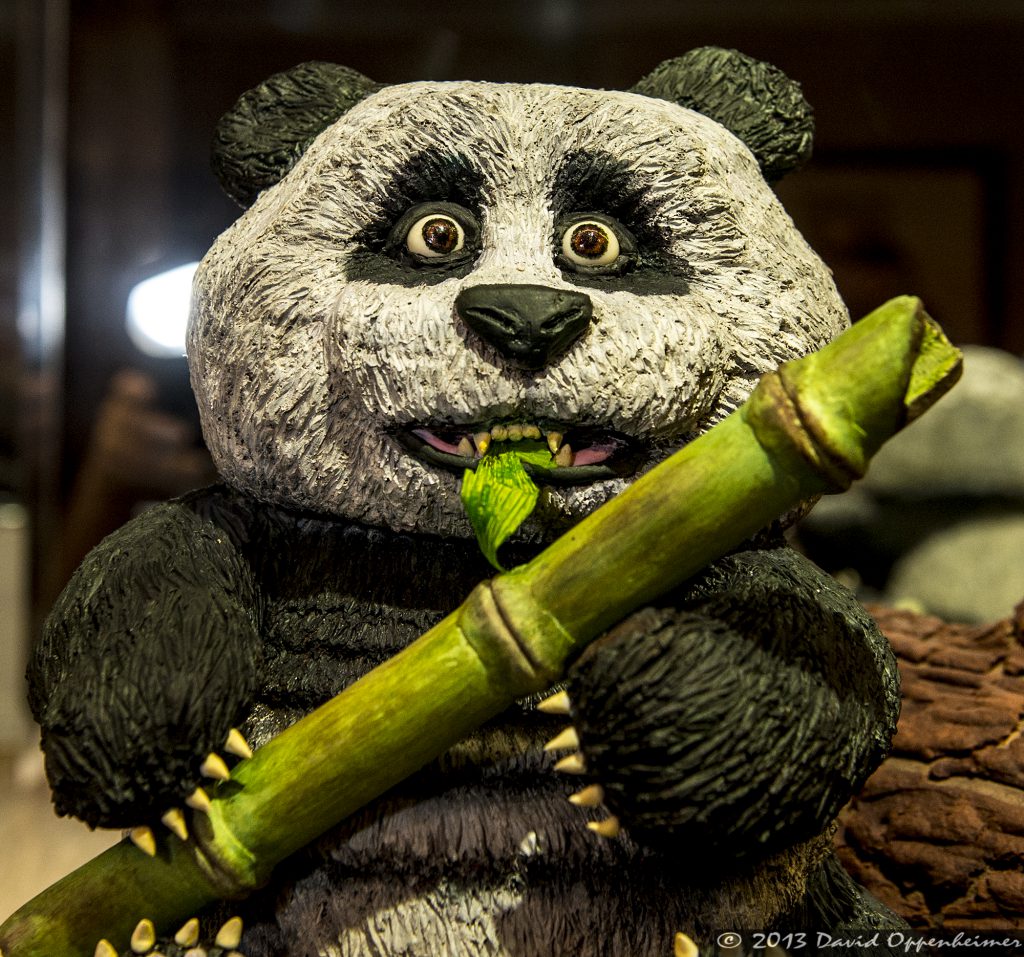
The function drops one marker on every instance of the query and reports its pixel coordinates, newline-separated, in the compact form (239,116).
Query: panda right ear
(263,135)
(753,100)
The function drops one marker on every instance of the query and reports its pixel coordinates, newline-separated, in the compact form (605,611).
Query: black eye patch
(595,180)
(432,178)
(590,180)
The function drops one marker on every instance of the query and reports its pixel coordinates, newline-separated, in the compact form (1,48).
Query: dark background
(917,183)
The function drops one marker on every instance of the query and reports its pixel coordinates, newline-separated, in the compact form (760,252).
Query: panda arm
(147,660)
(741,718)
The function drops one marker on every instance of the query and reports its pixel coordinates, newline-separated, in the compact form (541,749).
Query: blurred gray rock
(973,571)
(939,519)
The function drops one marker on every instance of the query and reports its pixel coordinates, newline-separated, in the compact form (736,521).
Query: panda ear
(263,135)
(753,100)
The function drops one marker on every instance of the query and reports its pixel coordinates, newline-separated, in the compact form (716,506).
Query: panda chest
(339,602)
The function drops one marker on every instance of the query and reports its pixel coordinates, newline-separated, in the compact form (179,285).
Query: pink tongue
(592,455)
(433,441)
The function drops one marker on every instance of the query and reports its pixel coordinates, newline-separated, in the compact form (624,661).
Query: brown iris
(440,235)
(589,241)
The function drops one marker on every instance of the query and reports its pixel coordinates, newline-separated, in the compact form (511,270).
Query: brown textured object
(937,833)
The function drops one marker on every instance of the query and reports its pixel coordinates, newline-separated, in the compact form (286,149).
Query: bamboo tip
(936,370)
(839,405)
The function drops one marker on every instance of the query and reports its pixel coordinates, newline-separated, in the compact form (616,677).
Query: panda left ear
(263,135)
(754,100)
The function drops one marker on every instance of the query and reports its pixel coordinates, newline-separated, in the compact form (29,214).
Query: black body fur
(692,714)
(705,741)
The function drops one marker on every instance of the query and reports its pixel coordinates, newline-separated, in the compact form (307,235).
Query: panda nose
(529,325)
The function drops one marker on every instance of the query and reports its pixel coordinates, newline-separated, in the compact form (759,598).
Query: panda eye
(434,236)
(594,244)
(590,243)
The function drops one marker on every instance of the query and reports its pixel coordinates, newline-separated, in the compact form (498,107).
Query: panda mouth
(551,453)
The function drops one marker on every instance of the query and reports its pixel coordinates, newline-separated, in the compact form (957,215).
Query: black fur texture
(176,626)
(147,660)
(705,737)
(262,137)
(265,133)
(738,718)
(753,100)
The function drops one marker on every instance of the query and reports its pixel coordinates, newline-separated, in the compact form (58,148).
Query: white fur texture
(299,371)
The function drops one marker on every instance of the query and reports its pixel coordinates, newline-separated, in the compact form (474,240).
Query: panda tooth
(515,432)
(499,433)
(554,441)
(483,441)
(564,456)
(531,432)
(466,446)
(105,949)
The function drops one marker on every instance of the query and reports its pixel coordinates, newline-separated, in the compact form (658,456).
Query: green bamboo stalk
(808,428)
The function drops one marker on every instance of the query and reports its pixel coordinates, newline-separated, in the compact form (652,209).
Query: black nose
(530,325)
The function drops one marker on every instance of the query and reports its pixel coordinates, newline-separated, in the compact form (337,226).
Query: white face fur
(316,335)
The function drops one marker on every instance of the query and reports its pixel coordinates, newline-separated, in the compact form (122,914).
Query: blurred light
(157,312)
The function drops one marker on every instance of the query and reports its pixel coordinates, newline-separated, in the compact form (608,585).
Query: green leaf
(540,457)
(498,498)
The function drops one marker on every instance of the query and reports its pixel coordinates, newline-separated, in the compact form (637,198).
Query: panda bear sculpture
(424,274)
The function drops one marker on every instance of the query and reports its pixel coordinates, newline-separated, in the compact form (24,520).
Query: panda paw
(213,767)
(592,795)
(641,700)
(185,943)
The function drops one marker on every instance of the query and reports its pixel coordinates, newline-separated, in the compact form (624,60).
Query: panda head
(429,267)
